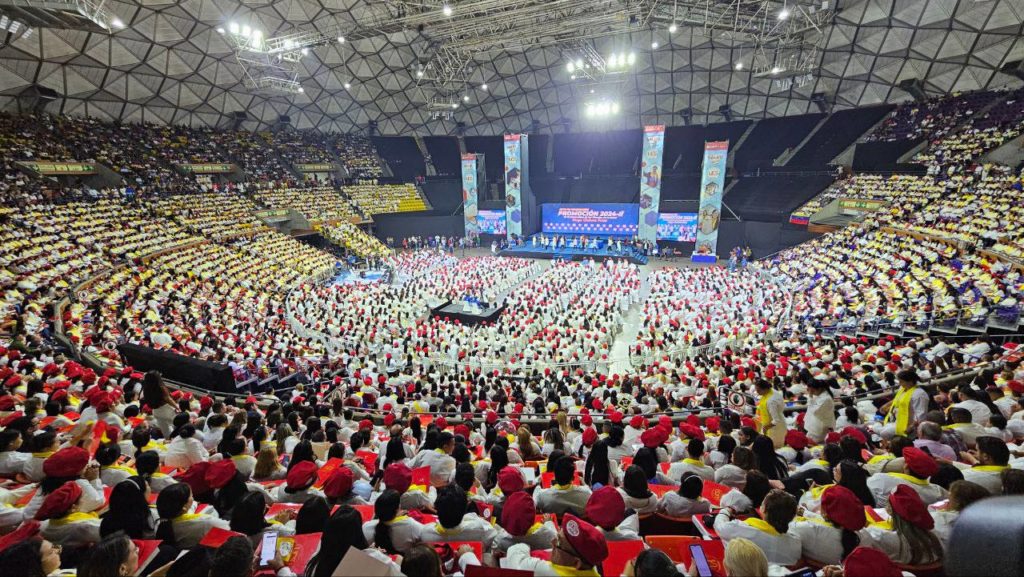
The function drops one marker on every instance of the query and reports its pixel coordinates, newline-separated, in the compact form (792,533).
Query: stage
(604,251)
(466,314)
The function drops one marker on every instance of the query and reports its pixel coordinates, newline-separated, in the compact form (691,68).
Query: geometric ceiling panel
(170,64)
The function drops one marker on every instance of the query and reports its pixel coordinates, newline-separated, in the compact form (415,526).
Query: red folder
(662,490)
(713,492)
(305,547)
(369,461)
(366,511)
(620,553)
(216,537)
(278,507)
(148,548)
(329,467)
(421,477)
(478,547)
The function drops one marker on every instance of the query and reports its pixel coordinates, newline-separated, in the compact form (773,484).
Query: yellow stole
(76,517)
(909,478)
(762,409)
(761,525)
(990,468)
(694,462)
(186,517)
(901,404)
(564,571)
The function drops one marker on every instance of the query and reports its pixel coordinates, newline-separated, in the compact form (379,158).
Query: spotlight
(289,44)
(613,61)
(246,31)
(447,10)
(570,67)
(776,70)
(233,27)
(632,58)
(465,98)
(419,74)
(573,77)
(341,39)
(783,14)
(117,23)
(591,90)
(654,45)
(455,105)
(739,66)
(257,36)
(301,89)
(305,51)
(483,87)
(347,86)
(672,28)
(220,30)
(579,64)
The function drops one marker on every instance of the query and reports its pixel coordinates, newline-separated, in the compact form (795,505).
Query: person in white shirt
(693,463)
(769,533)
(454,524)
(821,416)
(992,460)
(179,526)
(184,450)
(831,538)
(687,501)
(636,493)
(518,525)
(910,540)
(298,487)
(440,461)
(390,531)
(12,461)
(917,467)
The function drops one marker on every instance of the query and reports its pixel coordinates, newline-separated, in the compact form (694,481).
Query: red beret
(587,420)
(585,539)
(747,422)
(637,421)
(339,483)
(615,417)
(220,473)
(195,477)
(691,432)
(597,404)
(868,562)
(652,438)
(589,436)
(832,437)
(57,503)
(205,401)
(843,508)
(302,475)
(606,508)
(920,463)
(712,423)
(665,420)
(491,417)
(398,476)
(67,462)
(851,431)
(510,480)
(441,423)
(1016,387)
(27,530)
(389,419)
(797,439)
(365,424)
(7,403)
(462,430)
(518,513)
(907,504)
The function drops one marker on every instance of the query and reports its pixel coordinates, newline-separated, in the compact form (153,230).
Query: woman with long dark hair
(636,493)
(342,531)
(768,461)
(129,510)
(178,525)
(158,398)
(597,469)
(390,529)
(499,460)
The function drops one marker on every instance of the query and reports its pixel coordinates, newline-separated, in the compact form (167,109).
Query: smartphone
(269,549)
(805,572)
(700,561)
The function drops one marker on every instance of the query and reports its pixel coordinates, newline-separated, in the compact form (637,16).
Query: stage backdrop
(677,226)
(514,178)
(650,181)
(595,219)
(712,183)
(491,222)
(469,193)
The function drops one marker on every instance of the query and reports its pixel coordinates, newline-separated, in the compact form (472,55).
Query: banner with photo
(469,194)
(677,226)
(491,221)
(712,183)
(513,185)
(650,181)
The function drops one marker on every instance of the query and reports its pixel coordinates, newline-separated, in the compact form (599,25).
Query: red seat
(672,545)
(620,553)
(659,524)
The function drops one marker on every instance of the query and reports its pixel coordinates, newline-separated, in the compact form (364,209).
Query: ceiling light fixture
(672,28)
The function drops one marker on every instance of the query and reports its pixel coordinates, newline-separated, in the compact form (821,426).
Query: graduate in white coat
(578,550)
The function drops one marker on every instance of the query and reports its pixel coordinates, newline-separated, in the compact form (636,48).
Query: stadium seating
(373,198)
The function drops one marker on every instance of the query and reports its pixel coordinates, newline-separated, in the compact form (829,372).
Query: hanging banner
(513,185)
(469,195)
(650,181)
(59,168)
(712,183)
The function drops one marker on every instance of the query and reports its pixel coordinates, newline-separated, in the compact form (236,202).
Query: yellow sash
(762,409)
(186,517)
(909,478)
(128,470)
(564,571)
(694,462)
(442,531)
(76,517)
(397,519)
(880,458)
(761,525)
(818,490)
(533,529)
(42,455)
(901,404)
(990,468)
